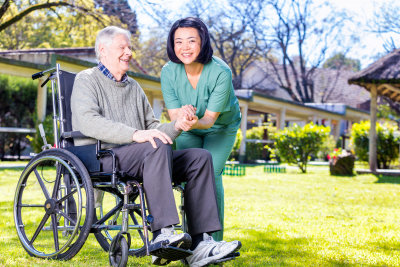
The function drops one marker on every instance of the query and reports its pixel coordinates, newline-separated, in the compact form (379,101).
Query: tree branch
(4,8)
(22,14)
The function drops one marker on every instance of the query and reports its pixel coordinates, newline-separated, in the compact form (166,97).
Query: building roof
(385,70)
(384,74)
(43,56)
(330,85)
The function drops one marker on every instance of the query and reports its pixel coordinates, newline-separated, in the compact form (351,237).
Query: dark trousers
(157,168)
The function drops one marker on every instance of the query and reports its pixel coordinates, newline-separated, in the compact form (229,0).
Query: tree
(24,8)
(60,23)
(340,61)
(302,41)
(386,23)
(236,28)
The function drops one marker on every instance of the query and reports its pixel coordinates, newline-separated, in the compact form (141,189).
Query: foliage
(60,23)
(297,144)
(36,140)
(17,98)
(256,151)
(388,141)
(335,154)
(328,145)
(151,53)
(235,150)
(340,61)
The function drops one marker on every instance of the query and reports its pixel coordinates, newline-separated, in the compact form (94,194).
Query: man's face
(116,56)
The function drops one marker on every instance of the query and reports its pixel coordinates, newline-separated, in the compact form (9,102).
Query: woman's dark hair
(206,50)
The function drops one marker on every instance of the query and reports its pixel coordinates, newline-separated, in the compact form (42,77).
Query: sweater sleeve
(88,119)
(152,123)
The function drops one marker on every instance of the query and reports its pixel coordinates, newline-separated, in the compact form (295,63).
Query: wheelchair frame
(69,199)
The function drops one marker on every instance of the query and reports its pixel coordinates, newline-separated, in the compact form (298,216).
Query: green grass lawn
(288,219)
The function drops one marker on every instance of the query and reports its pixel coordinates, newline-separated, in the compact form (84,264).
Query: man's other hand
(142,136)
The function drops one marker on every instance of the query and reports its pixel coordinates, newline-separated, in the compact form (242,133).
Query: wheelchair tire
(54,195)
(105,237)
(118,255)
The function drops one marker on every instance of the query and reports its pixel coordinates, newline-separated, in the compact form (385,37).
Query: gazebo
(380,78)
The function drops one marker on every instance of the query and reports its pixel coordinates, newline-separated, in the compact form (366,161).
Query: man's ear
(102,49)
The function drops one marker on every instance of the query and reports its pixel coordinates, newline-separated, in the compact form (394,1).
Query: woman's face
(187,44)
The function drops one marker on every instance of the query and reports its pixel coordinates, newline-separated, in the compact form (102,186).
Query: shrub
(297,144)
(17,108)
(328,145)
(36,140)
(235,150)
(387,142)
(257,151)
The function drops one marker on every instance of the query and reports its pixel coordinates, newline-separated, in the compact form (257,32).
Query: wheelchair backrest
(65,86)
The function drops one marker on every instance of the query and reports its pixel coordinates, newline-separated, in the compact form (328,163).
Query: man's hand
(142,136)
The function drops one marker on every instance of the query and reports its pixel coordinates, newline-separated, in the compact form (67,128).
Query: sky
(366,50)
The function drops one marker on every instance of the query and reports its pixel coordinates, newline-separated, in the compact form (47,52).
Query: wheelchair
(62,195)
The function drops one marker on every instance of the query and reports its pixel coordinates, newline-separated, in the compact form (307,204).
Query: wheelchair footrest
(165,251)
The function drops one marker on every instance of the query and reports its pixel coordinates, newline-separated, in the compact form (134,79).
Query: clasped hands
(185,121)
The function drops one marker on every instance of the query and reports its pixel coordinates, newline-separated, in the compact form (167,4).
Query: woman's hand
(182,123)
(189,111)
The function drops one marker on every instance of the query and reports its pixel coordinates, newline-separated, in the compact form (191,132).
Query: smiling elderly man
(110,106)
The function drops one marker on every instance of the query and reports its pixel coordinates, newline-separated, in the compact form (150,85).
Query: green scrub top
(214,92)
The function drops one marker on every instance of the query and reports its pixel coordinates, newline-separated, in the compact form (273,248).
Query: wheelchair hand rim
(16,198)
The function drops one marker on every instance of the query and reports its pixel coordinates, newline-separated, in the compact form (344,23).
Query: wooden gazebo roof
(384,74)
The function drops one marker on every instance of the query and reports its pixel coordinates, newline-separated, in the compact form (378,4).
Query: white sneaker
(183,241)
(208,251)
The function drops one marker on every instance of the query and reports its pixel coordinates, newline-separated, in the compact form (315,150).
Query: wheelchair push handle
(42,73)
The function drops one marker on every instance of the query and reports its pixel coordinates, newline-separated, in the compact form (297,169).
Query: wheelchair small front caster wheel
(118,254)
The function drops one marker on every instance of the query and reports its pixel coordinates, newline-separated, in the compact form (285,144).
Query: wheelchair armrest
(72,134)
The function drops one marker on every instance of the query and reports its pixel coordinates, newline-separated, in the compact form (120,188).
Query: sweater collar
(109,75)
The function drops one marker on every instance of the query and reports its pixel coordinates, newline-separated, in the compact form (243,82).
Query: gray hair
(106,36)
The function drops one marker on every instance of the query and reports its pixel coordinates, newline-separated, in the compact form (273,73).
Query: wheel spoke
(31,205)
(44,189)
(40,227)
(66,196)
(67,217)
(57,181)
(55,232)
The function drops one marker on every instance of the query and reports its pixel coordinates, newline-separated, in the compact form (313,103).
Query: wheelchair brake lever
(45,81)
(43,135)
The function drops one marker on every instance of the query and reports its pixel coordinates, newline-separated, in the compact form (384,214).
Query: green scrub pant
(219,144)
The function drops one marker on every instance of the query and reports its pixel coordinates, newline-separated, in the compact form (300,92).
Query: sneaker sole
(211,260)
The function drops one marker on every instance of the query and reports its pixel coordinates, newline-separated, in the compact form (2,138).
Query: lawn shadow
(387,179)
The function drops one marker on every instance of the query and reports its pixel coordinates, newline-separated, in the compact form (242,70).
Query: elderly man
(110,106)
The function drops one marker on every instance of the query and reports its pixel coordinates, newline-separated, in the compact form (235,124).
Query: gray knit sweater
(111,111)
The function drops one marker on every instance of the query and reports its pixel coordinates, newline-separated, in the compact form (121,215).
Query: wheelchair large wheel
(53,205)
(111,204)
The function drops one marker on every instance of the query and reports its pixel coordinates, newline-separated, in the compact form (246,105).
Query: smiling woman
(199,85)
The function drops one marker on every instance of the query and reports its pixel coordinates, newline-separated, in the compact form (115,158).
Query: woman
(199,85)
